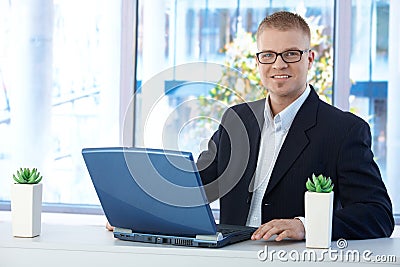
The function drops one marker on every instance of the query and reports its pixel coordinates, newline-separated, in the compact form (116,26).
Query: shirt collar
(286,116)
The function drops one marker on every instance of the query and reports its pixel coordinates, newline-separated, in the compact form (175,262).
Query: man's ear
(255,57)
(311,57)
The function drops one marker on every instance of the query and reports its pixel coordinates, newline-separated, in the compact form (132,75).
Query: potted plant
(318,201)
(26,203)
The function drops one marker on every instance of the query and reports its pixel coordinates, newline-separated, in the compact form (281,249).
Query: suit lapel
(296,140)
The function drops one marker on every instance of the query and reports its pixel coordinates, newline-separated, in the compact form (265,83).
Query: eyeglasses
(289,56)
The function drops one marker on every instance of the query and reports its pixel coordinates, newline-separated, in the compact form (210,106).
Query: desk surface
(73,245)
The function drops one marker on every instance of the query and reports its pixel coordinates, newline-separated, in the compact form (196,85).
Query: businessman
(259,159)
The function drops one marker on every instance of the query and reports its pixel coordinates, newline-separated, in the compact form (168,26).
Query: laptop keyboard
(225,232)
(226,229)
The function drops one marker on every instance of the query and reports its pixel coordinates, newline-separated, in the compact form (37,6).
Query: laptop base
(207,241)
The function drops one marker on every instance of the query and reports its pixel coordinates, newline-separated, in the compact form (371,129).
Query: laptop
(156,196)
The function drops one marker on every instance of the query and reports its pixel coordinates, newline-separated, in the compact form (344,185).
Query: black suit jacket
(322,140)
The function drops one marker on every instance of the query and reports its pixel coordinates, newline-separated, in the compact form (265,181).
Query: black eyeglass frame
(281,54)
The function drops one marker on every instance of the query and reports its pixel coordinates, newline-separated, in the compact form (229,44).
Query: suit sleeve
(207,164)
(366,209)
(207,161)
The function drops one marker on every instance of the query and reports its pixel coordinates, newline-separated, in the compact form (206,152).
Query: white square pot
(26,209)
(318,219)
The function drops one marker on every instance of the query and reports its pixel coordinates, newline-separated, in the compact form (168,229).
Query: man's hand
(284,228)
(109,226)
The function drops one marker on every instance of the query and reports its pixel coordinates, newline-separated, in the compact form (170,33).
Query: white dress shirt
(273,135)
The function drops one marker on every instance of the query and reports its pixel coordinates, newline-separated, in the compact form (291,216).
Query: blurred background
(93,73)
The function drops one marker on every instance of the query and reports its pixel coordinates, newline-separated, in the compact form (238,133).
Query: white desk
(72,245)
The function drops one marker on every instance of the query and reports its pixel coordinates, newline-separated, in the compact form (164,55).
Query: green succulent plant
(319,184)
(27,176)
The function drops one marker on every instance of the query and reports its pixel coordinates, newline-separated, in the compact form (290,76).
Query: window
(59,91)
(184,47)
(196,58)
(374,72)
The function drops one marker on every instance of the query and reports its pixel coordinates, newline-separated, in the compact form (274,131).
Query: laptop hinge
(122,230)
(216,237)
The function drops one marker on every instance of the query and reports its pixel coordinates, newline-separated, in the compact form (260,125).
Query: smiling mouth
(280,76)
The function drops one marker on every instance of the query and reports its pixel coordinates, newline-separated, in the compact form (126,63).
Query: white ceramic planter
(318,219)
(26,209)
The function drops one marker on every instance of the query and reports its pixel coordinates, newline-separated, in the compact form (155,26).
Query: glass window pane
(67,52)
(196,58)
(371,74)
(220,32)
(370,36)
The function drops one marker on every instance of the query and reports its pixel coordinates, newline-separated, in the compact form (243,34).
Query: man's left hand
(284,228)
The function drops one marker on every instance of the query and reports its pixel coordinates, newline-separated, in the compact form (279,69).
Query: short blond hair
(283,21)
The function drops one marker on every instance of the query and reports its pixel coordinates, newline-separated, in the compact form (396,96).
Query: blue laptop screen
(150,190)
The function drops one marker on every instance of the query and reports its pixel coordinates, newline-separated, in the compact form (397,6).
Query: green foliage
(319,184)
(240,81)
(27,176)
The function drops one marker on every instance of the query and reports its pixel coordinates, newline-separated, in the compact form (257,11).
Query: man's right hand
(109,226)
(284,228)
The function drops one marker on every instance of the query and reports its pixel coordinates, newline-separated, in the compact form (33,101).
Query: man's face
(284,80)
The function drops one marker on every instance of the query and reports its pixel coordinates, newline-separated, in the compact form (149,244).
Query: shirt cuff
(302,221)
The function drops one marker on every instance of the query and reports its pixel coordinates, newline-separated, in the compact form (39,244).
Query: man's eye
(291,54)
(267,55)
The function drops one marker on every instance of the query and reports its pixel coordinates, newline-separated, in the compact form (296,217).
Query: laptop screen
(150,190)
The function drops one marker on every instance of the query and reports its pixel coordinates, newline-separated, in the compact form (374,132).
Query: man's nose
(279,63)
